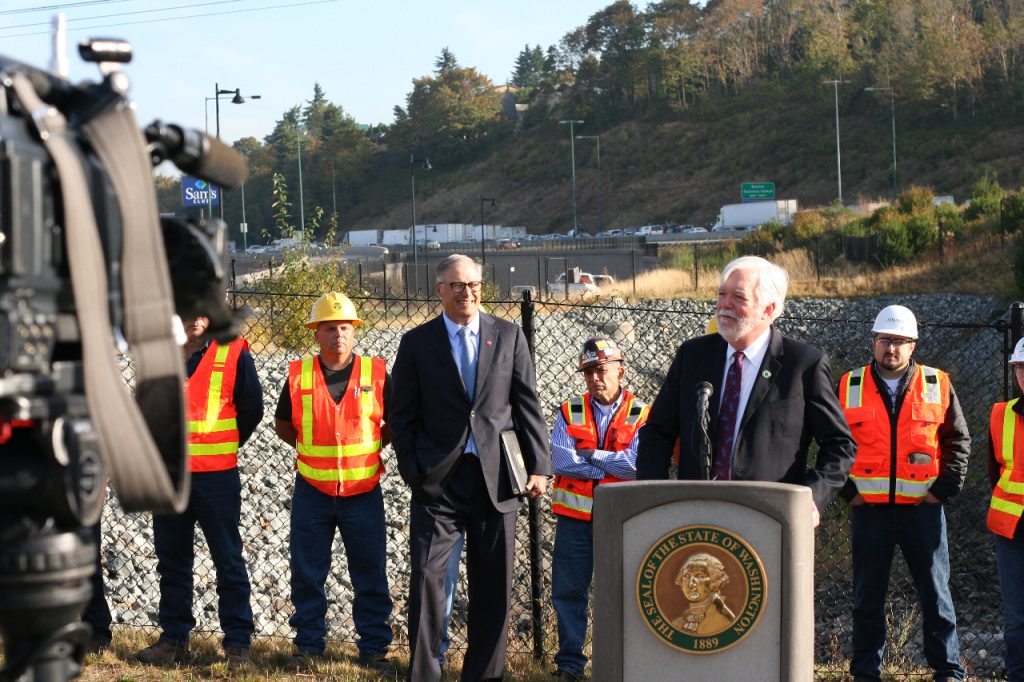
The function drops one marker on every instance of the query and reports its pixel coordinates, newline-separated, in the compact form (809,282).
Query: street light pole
(600,194)
(892,111)
(483,235)
(302,206)
(572,157)
(425,165)
(245,225)
(237,99)
(839,165)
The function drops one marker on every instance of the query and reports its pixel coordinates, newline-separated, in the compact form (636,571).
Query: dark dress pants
(463,506)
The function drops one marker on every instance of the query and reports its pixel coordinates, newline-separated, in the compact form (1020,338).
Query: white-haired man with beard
(771,396)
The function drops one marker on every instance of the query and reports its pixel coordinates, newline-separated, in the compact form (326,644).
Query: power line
(124,14)
(51,8)
(163,19)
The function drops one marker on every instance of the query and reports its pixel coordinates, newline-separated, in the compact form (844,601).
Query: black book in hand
(515,465)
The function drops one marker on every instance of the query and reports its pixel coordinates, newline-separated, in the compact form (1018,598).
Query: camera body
(66,161)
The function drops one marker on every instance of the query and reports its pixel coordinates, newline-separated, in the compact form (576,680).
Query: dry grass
(269,655)
(983,266)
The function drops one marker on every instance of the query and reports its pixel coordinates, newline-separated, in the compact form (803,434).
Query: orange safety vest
(572,496)
(1008,496)
(917,431)
(338,444)
(212,415)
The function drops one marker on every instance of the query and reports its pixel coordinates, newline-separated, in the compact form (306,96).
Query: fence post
(633,263)
(1016,332)
(234,286)
(536,569)
(817,258)
(942,248)
(696,259)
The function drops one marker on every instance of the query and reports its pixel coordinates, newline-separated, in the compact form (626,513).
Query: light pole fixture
(483,232)
(839,165)
(892,110)
(600,194)
(302,205)
(218,95)
(572,159)
(423,163)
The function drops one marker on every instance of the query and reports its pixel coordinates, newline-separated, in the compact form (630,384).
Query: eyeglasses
(459,287)
(895,343)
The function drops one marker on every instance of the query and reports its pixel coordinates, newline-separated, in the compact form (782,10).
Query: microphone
(704,390)
(196,154)
(702,441)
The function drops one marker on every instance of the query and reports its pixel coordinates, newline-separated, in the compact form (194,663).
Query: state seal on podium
(701,589)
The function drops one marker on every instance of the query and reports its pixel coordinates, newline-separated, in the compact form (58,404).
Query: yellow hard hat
(333,307)
(712,327)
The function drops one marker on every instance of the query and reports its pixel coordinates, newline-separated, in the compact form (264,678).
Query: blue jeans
(451,579)
(216,505)
(360,520)
(920,532)
(1010,561)
(572,569)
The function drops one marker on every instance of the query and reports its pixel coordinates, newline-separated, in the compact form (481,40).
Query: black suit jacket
(431,416)
(792,401)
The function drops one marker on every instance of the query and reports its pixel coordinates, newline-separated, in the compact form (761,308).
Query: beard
(743,326)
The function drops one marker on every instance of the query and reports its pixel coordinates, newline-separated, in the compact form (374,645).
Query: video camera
(88,270)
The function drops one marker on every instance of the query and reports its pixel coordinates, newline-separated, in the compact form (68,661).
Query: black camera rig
(89,270)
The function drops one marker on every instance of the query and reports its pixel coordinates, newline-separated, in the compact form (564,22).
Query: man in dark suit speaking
(770,396)
(459,381)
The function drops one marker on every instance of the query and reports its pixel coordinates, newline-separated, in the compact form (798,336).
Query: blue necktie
(728,414)
(467,364)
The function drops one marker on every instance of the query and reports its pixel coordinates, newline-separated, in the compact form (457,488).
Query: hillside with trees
(687,101)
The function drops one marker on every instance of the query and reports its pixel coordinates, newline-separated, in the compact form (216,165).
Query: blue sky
(363,54)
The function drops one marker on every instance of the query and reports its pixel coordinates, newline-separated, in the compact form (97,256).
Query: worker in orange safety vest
(593,443)
(224,405)
(912,451)
(1006,473)
(333,411)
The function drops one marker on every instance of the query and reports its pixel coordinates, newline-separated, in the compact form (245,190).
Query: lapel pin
(766,374)
(488,342)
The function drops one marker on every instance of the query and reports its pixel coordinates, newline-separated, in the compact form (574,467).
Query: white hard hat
(898,320)
(1018,352)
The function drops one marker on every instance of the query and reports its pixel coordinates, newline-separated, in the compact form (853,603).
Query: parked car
(433,245)
(506,244)
(693,229)
(603,280)
(647,230)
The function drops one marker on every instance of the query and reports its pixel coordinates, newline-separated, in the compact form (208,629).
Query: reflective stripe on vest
(339,450)
(921,414)
(212,416)
(575,497)
(1007,502)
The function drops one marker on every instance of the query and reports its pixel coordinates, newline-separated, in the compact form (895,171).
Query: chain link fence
(968,336)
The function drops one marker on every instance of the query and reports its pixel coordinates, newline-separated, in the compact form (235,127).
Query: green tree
(529,68)
(449,116)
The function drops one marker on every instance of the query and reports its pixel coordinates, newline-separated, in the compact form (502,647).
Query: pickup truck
(583,288)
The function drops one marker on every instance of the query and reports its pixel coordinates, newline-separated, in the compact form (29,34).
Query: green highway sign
(757,191)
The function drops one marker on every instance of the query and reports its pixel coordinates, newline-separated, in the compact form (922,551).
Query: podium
(703,580)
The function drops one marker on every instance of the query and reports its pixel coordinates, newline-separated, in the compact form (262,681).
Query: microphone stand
(704,444)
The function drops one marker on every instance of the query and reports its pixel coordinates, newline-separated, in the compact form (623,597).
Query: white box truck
(753,214)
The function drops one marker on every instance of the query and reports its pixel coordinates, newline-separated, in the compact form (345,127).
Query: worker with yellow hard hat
(333,410)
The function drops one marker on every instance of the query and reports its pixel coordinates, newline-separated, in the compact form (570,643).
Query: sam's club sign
(197,192)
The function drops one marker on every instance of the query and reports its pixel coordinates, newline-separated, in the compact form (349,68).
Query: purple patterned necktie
(727,416)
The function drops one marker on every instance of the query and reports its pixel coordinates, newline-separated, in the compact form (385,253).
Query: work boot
(237,655)
(302,660)
(97,644)
(162,651)
(377,663)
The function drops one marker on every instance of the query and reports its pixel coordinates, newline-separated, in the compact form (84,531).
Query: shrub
(916,200)
(893,242)
(807,226)
(1012,218)
(922,231)
(951,219)
(985,198)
